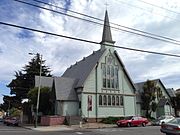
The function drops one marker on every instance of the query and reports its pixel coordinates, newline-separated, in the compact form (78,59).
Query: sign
(89,107)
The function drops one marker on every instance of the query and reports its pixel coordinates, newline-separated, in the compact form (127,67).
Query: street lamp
(39,90)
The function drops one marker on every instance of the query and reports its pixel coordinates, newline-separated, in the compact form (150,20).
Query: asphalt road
(150,130)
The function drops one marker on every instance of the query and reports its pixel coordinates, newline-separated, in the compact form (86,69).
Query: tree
(177,101)
(45,102)
(25,79)
(10,101)
(148,97)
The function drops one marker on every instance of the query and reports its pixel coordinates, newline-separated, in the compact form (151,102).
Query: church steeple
(106,37)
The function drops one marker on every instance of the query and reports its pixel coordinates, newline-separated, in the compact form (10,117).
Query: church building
(96,87)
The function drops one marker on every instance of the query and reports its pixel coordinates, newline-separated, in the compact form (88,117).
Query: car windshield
(175,121)
(128,118)
(162,117)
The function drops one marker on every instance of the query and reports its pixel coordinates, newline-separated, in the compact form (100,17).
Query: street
(149,130)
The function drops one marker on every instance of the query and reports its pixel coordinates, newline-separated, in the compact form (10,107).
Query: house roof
(139,86)
(45,81)
(64,88)
(171,92)
(82,69)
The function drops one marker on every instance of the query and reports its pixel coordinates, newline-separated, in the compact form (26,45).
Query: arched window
(109,100)
(100,99)
(117,100)
(104,100)
(113,100)
(112,71)
(121,101)
(104,75)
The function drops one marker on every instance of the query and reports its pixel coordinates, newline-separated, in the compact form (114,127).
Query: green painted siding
(163,90)
(70,108)
(127,86)
(129,105)
(89,85)
(110,111)
(90,88)
(85,112)
(139,113)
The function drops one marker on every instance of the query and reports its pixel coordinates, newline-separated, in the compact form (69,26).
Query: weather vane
(106,4)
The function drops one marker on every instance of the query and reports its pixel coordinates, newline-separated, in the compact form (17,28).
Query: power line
(159,7)
(92,17)
(87,41)
(132,32)
(146,10)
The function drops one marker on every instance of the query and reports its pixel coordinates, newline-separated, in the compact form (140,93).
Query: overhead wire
(159,7)
(87,41)
(128,4)
(92,17)
(168,40)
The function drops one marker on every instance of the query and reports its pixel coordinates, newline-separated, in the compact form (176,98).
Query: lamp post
(39,90)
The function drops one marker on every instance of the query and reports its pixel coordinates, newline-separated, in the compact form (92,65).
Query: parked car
(132,121)
(162,119)
(6,119)
(172,127)
(14,121)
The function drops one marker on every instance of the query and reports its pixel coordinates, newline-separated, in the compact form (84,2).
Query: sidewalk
(48,128)
(93,126)
(68,128)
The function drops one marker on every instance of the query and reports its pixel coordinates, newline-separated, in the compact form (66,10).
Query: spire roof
(107,37)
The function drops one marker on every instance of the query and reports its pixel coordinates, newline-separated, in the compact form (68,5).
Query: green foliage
(177,100)
(45,103)
(14,112)
(111,120)
(9,102)
(25,79)
(148,97)
(153,106)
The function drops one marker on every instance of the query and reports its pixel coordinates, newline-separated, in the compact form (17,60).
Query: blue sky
(60,53)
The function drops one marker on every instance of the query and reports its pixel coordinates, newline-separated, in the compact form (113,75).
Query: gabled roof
(139,86)
(45,81)
(171,92)
(82,69)
(64,88)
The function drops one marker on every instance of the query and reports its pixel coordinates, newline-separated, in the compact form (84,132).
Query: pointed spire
(107,37)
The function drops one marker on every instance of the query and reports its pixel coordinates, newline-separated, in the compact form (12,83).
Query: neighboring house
(164,104)
(177,91)
(1,114)
(98,86)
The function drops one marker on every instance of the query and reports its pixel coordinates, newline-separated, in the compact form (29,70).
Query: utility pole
(39,91)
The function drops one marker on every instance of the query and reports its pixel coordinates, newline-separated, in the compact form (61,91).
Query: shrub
(111,120)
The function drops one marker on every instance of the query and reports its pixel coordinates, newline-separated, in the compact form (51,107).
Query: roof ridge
(84,58)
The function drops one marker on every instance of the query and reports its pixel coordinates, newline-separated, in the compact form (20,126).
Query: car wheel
(143,124)
(128,124)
